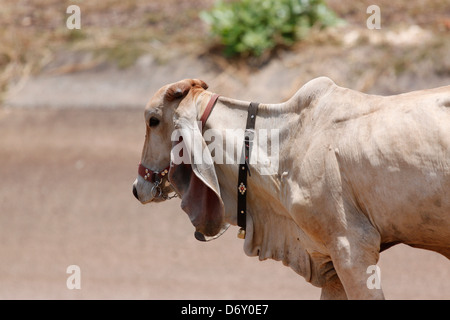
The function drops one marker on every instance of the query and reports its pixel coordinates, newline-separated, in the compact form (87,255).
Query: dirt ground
(65,199)
(71,134)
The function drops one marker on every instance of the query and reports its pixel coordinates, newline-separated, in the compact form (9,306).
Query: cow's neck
(271,232)
(229,117)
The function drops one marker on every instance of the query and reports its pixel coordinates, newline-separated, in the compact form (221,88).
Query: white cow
(355,174)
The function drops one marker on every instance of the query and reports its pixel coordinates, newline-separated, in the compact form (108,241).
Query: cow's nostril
(135,192)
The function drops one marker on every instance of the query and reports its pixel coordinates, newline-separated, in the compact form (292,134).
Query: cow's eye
(153,122)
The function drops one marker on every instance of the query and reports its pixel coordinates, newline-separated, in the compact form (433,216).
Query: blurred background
(72,128)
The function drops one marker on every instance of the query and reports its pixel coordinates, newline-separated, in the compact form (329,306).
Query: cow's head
(173,141)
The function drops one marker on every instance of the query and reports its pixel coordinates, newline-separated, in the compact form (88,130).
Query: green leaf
(255,26)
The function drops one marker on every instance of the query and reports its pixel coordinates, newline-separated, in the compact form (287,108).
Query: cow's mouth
(201,237)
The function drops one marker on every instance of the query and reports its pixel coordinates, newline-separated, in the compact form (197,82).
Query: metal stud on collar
(242,188)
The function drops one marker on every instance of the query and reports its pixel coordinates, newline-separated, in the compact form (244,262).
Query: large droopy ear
(193,176)
(180,89)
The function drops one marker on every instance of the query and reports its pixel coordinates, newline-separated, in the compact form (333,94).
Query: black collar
(244,168)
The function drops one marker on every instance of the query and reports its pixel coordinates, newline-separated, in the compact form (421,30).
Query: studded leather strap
(244,166)
(150,175)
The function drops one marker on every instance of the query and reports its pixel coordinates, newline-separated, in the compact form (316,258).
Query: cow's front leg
(353,256)
(333,290)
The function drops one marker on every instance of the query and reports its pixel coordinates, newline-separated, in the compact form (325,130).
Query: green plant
(251,27)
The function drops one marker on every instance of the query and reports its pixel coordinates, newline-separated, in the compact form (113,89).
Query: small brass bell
(241,234)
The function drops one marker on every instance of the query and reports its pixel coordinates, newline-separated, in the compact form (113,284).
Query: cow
(350,175)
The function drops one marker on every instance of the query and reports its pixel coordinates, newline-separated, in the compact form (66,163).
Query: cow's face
(171,120)
(155,156)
